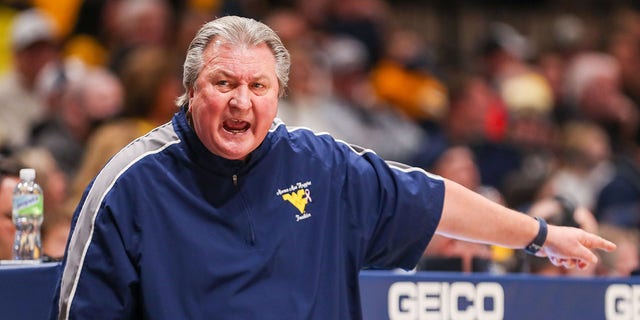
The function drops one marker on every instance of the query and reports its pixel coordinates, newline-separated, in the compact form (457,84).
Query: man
(226,213)
(33,46)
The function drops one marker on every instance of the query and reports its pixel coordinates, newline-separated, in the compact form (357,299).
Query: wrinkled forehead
(221,50)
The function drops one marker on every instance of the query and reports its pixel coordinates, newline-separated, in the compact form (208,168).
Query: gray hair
(236,30)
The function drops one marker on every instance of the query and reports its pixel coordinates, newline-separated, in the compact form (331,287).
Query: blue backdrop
(428,295)
(25,293)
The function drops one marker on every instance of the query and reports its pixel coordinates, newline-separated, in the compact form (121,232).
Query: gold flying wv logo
(298,199)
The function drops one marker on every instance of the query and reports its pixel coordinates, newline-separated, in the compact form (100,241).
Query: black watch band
(540,238)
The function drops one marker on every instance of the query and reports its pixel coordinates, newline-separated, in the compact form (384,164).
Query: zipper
(252,234)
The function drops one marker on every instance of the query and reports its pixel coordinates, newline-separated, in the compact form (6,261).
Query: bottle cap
(27,174)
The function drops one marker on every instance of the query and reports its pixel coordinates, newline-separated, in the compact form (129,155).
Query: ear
(190,95)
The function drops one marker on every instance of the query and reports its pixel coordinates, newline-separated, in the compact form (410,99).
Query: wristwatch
(537,243)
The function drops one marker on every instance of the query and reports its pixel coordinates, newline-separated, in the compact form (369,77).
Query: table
(26,290)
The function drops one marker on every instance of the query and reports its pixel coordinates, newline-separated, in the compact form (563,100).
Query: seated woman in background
(9,177)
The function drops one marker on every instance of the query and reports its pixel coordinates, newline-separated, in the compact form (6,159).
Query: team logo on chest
(298,195)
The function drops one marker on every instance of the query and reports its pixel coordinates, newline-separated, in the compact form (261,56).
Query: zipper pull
(235,179)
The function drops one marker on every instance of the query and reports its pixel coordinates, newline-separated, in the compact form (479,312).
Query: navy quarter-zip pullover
(168,230)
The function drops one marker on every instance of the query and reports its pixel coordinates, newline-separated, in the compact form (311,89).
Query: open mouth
(236,126)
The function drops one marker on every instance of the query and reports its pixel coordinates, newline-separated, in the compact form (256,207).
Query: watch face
(533,248)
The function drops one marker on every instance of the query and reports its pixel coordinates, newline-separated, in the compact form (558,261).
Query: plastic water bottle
(27,214)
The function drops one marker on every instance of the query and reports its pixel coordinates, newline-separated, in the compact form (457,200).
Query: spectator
(33,46)
(478,118)
(448,254)
(623,43)
(365,20)
(189,21)
(347,107)
(569,38)
(593,86)
(476,113)
(585,164)
(141,23)
(505,54)
(92,96)
(405,78)
(9,178)
(618,203)
(358,116)
(308,101)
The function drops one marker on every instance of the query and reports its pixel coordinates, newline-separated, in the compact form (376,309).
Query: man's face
(7,229)
(31,60)
(234,99)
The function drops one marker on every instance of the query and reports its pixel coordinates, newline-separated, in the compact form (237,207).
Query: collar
(209,161)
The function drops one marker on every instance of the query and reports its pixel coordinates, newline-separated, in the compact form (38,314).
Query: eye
(258,87)
(223,85)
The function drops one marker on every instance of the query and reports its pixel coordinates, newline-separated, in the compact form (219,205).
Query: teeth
(236,126)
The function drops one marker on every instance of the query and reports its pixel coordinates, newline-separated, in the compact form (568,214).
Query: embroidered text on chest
(299,195)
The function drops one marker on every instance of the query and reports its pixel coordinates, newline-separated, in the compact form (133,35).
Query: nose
(240,98)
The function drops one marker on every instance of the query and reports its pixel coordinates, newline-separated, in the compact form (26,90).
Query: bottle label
(28,205)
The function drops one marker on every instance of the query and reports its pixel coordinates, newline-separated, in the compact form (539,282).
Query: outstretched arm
(469,216)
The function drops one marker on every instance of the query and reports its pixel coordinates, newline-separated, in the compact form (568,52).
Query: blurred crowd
(550,131)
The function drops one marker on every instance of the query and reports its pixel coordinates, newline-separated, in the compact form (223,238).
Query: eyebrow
(229,74)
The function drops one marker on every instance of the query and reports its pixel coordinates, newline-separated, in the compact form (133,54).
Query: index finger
(597,242)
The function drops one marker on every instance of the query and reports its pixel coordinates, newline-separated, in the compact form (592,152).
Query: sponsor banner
(456,296)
